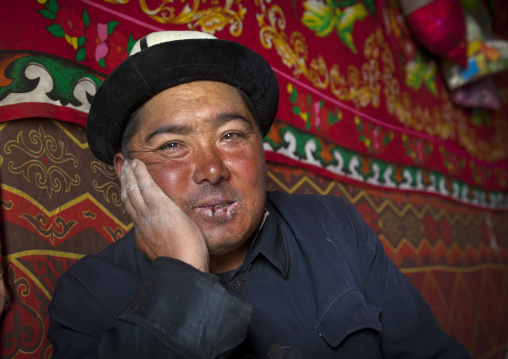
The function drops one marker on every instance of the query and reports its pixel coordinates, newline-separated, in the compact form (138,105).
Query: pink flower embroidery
(376,138)
(317,109)
(102,48)
(96,46)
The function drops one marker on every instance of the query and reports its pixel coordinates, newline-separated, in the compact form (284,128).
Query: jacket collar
(271,240)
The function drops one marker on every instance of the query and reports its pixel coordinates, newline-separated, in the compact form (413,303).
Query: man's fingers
(152,194)
(130,192)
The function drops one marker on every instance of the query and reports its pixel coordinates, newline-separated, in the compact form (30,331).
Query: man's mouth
(217,208)
(222,205)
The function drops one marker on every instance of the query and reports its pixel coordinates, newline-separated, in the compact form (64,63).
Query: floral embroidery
(98,42)
(417,148)
(341,15)
(419,69)
(312,112)
(117,43)
(70,22)
(372,136)
(453,163)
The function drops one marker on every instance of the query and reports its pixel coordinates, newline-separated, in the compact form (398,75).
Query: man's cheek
(173,181)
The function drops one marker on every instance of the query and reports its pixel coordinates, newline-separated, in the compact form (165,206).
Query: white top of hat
(165,36)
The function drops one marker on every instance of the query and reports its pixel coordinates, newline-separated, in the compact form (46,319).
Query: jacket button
(237,284)
(275,351)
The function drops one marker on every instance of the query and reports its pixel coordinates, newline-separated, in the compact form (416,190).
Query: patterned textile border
(31,276)
(63,203)
(58,203)
(35,82)
(379,115)
(457,256)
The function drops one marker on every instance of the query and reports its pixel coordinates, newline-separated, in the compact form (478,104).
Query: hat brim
(159,67)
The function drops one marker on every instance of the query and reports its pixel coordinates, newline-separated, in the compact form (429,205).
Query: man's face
(201,145)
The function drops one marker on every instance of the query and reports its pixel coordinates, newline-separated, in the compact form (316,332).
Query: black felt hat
(166,59)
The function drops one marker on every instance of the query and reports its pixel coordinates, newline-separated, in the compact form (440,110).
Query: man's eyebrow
(219,120)
(176,129)
(223,118)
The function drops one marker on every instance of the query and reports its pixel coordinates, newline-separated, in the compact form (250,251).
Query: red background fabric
(364,113)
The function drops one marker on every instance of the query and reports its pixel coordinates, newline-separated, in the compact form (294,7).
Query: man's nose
(210,166)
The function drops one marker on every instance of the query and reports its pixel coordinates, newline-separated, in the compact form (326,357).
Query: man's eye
(231,136)
(172,146)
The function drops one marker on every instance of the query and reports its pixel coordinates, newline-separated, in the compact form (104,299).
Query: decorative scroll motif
(89,214)
(47,79)
(115,234)
(7,205)
(438,123)
(95,215)
(57,228)
(63,126)
(376,138)
(309,149)
(490,151)
(31,276)
(210,19)
(24,337)
(110,190)
(43,268)
(44,152)
(360,87)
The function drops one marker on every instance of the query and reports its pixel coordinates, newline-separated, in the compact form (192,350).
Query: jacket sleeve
(177,312)
(409,327)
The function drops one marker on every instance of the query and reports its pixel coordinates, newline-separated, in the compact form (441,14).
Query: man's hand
(162,228)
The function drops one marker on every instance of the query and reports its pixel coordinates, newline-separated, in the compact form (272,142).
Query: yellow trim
(444,268)
(3,124)
(378,208)
(13,259)
(304,179)
(65,206)
(420,214)
(32,277)
(71,136)
(421,243)
(44,252)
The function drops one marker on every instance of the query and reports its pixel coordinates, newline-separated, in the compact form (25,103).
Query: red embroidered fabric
(364,113)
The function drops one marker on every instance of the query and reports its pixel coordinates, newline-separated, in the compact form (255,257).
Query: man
(214,266)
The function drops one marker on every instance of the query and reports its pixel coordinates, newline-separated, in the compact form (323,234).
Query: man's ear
(118,163)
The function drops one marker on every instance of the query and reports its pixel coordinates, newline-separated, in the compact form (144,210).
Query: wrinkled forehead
(197,96)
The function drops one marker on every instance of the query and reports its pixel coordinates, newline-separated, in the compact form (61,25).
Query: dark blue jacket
(316,283)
